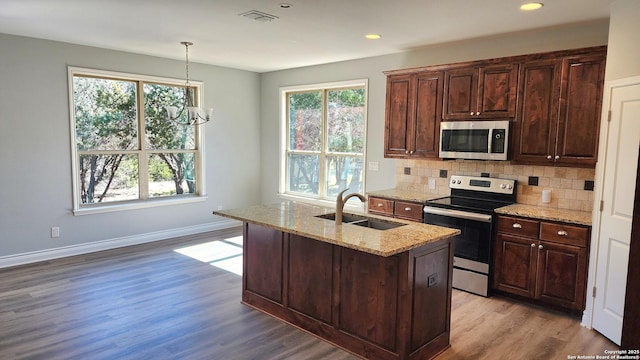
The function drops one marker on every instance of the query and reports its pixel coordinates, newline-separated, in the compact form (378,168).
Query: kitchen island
(380,294)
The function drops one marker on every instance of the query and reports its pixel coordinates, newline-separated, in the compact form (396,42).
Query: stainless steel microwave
(481,140)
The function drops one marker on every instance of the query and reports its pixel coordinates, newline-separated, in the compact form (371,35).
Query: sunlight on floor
(224,254)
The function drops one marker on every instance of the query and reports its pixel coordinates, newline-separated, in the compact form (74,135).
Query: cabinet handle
(407,152)
(563,233)
(557,157)
(411,152)
(477,113)
(471,113)
(517,226)
(549,157)
(380,205)
(407,209)
(533,245)
(540,247)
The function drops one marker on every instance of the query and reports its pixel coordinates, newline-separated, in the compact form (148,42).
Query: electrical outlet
(407,171)
(433,279)
(55,232)
(373,166)
(219,207)
(432,184)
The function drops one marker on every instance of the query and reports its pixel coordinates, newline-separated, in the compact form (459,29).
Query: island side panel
(263,262)
(431,283)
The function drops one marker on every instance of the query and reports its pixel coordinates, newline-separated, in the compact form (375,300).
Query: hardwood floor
(149,302)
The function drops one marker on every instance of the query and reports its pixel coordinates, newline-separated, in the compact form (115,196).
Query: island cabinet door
(310,277)
(368,297)
(263,262)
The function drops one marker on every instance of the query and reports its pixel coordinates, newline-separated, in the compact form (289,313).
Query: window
(323,139)
(125,150)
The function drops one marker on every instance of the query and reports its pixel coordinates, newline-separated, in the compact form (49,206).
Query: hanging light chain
(194,114)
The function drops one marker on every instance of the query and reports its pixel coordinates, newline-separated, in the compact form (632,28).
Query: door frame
(587,315)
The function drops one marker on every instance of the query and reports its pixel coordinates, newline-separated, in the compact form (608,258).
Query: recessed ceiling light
(531,6)
(285,5)
(372,36)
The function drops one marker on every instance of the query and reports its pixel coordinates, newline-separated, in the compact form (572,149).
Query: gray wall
(557,38)
(35,157)
(623,53)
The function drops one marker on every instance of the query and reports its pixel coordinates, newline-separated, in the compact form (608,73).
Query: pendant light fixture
(195,115)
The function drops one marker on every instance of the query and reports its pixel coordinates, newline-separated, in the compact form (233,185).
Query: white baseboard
(56,253)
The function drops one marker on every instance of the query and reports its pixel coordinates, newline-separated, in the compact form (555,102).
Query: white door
(618,176)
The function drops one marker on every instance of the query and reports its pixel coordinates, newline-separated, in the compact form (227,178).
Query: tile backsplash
(567,185)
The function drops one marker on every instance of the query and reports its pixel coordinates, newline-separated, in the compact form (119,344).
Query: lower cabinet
(540,260)
(396,307)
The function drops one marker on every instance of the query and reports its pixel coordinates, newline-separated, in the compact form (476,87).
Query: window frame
(200,194)
(284,142)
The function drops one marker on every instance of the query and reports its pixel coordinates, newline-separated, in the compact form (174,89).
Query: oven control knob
(453,181)
(459,181)
(509,186)
(503,186)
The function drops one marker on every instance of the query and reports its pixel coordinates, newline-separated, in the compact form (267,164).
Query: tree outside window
(326,131)
(126,149)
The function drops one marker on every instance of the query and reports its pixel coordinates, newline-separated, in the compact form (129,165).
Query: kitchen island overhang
(380,294)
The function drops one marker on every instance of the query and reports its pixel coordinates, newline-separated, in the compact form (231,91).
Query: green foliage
(106,117)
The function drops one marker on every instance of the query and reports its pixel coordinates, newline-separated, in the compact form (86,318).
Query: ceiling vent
(258,16)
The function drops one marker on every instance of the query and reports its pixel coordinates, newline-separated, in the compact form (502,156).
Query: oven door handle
(458,214)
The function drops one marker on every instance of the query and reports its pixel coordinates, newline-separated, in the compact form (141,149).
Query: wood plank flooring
(149,302)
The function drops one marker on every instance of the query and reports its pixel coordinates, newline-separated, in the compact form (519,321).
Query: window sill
(99,209)
(352,206)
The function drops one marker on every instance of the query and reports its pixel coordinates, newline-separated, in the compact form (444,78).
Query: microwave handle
(490,142)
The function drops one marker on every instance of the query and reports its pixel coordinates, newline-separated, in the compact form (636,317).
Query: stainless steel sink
(346,218)
(363,221)
(378,224)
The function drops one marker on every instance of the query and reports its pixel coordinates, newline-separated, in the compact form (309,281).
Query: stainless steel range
(470,209)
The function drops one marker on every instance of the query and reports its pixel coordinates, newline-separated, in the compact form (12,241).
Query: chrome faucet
(340,203)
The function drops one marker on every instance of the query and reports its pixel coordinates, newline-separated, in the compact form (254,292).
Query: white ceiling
(310,32)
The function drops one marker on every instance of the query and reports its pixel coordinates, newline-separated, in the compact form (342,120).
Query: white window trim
(78,209)
(282,174)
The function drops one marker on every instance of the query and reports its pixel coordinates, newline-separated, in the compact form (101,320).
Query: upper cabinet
(559,107)
(413,114)
(553,101)
(484,92)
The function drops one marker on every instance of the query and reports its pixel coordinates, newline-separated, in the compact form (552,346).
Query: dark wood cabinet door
(561,275)
(399,109)
(428,114)
(515,265)
(580,107)
(368,292)
(310,285)
(497,90)
(534,131)
(262,277)
(460,93)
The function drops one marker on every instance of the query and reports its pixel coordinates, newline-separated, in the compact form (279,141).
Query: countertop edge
(544,213)
(432,238)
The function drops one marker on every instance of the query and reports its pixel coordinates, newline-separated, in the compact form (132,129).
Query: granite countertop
(299,219)
(405,195)
(545,213)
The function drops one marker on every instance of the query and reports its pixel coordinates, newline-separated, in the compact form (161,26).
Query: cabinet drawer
(518,226)
(381,206)
(564,234)
(408,210)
